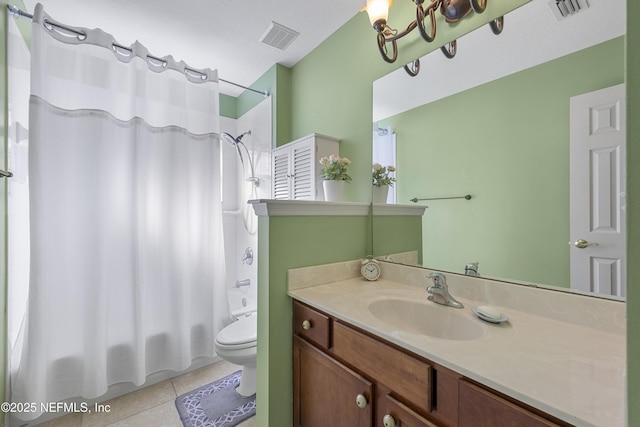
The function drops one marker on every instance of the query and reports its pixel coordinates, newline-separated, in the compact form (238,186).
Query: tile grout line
(147,408)
(139,413)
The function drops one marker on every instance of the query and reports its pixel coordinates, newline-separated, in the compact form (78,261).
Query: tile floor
(151,406)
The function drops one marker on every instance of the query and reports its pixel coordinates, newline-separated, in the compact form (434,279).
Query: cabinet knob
(388,421)
(306,325)
(361,401)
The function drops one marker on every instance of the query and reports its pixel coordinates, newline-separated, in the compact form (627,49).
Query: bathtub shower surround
(127,261)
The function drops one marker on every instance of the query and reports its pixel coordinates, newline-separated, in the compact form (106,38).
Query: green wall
(276,81)
(397,234)
(507,144)
(284,243)
(228,106)
(331,90)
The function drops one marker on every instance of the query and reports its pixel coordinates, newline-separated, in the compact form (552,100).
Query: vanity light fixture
(453,11)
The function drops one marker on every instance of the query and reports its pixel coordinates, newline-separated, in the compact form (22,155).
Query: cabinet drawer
(311,324)
(399,415)
(409,377)
(481,408)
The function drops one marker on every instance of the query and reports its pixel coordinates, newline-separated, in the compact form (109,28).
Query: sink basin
(427,318)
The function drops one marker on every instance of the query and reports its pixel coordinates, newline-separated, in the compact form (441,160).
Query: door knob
(581,244)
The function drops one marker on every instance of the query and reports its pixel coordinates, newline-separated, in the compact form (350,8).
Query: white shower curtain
(127,264)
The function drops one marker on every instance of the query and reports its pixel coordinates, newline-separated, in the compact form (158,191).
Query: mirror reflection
(509,122)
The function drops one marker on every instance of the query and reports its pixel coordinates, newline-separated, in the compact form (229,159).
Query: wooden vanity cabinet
(347,377)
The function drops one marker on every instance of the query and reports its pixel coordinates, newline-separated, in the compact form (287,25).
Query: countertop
(572,372)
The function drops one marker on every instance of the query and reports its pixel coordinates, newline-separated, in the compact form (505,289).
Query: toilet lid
(242,331)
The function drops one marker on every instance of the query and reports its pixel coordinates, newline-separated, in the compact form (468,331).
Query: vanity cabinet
(296,168)
(344,376)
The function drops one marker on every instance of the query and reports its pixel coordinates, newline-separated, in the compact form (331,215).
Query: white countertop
(573,372)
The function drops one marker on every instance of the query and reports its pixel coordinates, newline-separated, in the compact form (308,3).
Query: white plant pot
(333,190)
(380,194)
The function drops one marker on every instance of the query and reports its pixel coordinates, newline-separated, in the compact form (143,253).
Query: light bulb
(378,10)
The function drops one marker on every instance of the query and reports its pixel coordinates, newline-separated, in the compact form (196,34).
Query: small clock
(370,269)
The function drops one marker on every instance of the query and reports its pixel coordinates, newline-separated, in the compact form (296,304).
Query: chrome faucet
(241,283)
(471,269)
(439,291)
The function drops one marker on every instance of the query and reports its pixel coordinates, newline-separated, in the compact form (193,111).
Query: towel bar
(467,197)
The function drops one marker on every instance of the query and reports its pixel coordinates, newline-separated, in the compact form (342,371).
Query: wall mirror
(495,123)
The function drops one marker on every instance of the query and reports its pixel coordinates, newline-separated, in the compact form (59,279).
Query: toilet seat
(237,343)
(240,334)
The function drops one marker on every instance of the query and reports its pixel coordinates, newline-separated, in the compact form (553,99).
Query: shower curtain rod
(19,13)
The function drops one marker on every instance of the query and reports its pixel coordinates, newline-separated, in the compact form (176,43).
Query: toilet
(237,344)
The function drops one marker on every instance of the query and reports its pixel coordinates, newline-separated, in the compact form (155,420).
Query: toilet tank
(240,302)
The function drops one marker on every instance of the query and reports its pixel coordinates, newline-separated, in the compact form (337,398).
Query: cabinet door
(280,174)
(481,408)
(326,392)
(302,167)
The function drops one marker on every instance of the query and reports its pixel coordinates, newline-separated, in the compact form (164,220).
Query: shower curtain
(127,264)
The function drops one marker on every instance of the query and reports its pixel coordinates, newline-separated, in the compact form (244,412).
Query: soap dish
(502,318)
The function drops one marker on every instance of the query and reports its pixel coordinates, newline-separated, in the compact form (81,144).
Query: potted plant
(335,175)
(381,180)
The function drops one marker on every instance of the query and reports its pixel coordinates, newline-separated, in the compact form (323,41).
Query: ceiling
(216,34)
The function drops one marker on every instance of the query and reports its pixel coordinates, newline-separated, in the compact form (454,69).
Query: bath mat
(216,404)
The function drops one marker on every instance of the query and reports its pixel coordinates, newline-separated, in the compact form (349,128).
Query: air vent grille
(278,35)
(564,8)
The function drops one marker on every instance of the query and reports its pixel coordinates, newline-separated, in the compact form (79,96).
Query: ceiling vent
(564,8)
(279,36)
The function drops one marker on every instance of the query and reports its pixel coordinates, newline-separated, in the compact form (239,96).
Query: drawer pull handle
(361,401)
(306,325)
(388,421)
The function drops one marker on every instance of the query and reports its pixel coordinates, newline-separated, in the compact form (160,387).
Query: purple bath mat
(216,404)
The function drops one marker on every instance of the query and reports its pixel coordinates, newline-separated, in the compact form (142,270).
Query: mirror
(493,123)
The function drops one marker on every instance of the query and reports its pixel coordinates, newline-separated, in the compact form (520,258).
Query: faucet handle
(471,269)
(439,280)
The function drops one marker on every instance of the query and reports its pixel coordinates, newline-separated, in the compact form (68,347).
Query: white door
(597,187)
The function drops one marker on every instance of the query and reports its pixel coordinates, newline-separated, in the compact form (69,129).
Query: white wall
(240,223)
